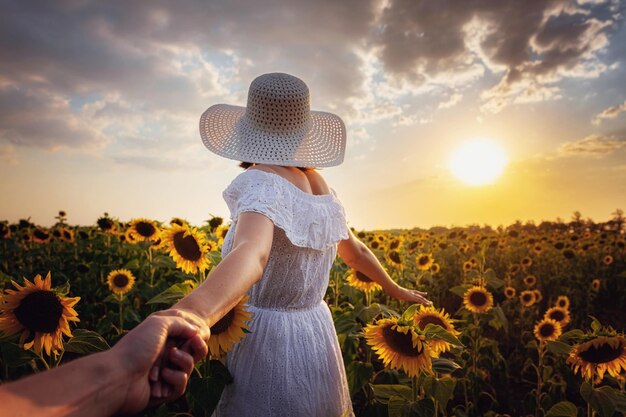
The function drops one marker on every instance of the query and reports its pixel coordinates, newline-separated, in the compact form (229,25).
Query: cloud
(7,154)
(530,45)
(610,113)
(594,145)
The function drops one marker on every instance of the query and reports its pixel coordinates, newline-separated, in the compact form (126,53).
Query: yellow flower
(399,347)
(120,281)
(547,329)
(599,355)
(229,329)
(424,261)
(530,280)
(41,315)
(362,282)
(430,314)
(188,248)
(527,298)
(558,314)
(478,300)
(509,292)
(144,230)
(394,259)
(562,301)
(595,285)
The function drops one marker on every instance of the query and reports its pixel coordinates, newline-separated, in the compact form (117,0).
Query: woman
(287,227)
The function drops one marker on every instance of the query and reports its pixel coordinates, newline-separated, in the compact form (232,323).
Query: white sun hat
(276,127)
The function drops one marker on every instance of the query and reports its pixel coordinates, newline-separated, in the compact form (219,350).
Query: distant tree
(618,220)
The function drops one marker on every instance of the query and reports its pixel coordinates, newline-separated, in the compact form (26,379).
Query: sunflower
(608,260)
(399,347)
(41,315)
(538,295)
(429,314)
(547,330)
(424,261)
(595,285)
(435,268)
(106,224)
(562,301)
(478,300)
(530,280)
(467,266)
(130,236)
(67,234)
(395,243)
(120,281)
(599,355)
(526,262)
(538,249)
(188,248)
(394,259)
(230,329)
(509,292)
(362,282)
(144,229)
(558,314)
(527,298)
(39,235)
(514,269)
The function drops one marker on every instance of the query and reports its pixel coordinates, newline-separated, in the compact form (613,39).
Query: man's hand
(142,347)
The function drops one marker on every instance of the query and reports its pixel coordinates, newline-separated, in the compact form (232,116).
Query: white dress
(291,363)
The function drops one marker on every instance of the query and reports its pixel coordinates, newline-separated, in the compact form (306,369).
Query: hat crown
(278,102)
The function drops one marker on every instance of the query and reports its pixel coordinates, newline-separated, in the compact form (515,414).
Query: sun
(478,162)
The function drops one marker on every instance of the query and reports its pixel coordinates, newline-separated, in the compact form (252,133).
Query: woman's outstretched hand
(141,348)
(412,296)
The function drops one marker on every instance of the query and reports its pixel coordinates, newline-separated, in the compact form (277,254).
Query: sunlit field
(527,320)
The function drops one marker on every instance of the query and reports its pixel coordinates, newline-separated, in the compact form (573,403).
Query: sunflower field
(527,319)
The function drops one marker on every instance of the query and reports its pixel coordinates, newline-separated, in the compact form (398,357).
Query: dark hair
(246,165)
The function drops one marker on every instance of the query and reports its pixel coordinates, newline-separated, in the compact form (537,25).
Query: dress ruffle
(310,221)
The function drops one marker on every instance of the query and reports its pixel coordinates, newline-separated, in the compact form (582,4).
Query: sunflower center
(394,244)
(423,260)
(40,311)
(224,323)
(602,354)
(40,234)
(546,330)
(430,319)
(400,342)
(187,246)
(478,298)
(362,277)
(145,229)
(527,298)
(120,280)
(557,315)
(395,256)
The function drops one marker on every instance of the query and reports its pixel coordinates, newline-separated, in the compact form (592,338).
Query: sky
(100,104)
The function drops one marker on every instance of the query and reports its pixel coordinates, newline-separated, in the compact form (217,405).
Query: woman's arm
(236,273)
(358,256)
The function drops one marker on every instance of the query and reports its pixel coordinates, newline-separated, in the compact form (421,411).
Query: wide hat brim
(226,132)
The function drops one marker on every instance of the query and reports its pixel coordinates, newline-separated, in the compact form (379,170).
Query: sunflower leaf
(435,331)
(459,290)
(171,295)
(563,409)
(409,313)
(384,392)
(86,341)
(572,334)
(444,366)
(13,355)
(558,347)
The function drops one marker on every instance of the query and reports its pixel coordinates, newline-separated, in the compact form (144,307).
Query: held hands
(412,296)
(142,347)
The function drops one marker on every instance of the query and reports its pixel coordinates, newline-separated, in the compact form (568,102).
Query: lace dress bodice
(304,247)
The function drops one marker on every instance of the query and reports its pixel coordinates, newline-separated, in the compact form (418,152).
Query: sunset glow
(479,162)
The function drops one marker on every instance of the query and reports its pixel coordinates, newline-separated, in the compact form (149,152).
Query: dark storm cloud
(536,43)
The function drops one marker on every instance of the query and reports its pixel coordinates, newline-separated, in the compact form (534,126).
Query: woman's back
(290,364)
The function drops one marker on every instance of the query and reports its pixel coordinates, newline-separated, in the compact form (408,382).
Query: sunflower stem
(121,304)
(540,352)
(415,388)
(43,360)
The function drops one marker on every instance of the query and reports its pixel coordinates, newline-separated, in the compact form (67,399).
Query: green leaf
(443,391)
(444,366)
(492,280)
(13,355)
(359,375)
(410,312)
(171,295)
(437,332)
(367,314)
(132,264)
(501,317)
(459,290)
(604,400)
(85,342)
(398,406)
(595,324)
(203,394)
(423,408)
(563,409)
(558,348)
(384,392)
(572,334)
(63,290)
